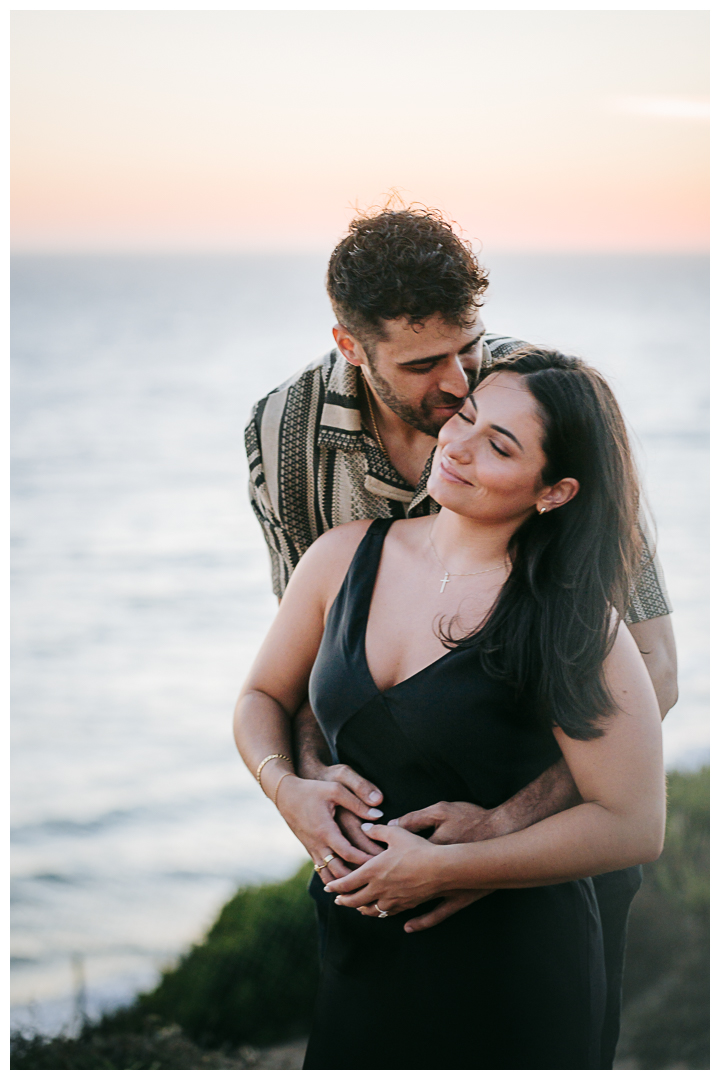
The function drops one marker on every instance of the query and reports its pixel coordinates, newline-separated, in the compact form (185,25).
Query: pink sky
(550,130)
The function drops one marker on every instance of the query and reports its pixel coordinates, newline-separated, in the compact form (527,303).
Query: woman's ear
(557,495)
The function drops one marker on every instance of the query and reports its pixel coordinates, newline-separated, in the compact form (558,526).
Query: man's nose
(453,379)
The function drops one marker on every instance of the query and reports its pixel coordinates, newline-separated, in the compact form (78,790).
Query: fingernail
(374,796)
(409,929)
(366,826)
(327,889)
(375,813)
(337,899)
(393,822)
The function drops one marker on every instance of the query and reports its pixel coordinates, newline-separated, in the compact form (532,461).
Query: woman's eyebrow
(496,427)
(504,431)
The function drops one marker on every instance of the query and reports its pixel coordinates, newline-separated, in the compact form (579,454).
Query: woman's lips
(451,476)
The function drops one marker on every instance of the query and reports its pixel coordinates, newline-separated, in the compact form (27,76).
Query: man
(352,437)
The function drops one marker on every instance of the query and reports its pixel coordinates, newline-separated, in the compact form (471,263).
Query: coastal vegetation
(251,982)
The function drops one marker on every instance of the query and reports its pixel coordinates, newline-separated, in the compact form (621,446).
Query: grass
(252,981)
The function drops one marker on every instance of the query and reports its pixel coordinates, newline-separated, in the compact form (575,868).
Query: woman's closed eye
(471,420)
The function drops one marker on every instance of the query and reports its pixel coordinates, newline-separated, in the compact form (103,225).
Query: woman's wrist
(284,776)
(273,773)
(286,788)
(452,869)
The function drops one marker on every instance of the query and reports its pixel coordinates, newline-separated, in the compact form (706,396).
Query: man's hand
(456,823)
(453,823)
(348,822)
(448,906)
(463,823)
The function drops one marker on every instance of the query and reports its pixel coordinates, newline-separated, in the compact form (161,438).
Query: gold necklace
(448,575)
(378,439)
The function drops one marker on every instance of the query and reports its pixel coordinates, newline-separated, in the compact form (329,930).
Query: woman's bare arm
(277,686)
(620,822)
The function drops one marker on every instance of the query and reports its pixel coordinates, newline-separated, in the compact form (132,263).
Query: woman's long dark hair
(555,619)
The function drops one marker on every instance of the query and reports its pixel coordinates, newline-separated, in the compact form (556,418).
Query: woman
(455,658)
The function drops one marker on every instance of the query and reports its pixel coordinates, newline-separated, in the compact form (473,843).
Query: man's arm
(311,752)
(656,641)
(649,622)
(284,551)
(464,823)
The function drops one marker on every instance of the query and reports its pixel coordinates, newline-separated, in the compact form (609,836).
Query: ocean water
(141,585)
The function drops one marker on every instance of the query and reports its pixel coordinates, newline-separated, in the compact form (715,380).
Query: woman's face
(489,460)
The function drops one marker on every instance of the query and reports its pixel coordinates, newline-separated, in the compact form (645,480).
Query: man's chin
(429,427)
(426,422)
(440,417)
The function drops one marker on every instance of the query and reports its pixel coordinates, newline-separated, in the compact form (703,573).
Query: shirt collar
(340,422)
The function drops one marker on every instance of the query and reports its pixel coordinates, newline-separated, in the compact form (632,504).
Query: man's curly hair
(406,262)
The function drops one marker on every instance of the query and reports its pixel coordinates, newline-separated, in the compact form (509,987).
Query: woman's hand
(403,876)
(309,808)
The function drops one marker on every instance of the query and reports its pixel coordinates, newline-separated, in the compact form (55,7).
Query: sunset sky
(237,130)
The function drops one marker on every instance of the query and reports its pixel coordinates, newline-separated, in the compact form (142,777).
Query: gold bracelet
(264,762)
(279,783)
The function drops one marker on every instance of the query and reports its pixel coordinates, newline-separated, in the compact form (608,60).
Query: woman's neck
(465,546)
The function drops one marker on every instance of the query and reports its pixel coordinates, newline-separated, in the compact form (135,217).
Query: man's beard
(419,417)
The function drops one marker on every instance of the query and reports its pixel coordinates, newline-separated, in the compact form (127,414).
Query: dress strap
(366,560)
(348,615)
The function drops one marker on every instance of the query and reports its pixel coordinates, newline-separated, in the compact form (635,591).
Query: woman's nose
(453,379)
(459,448)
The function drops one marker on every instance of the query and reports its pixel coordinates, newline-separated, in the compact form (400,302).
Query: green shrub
(254,978)
(666,1018)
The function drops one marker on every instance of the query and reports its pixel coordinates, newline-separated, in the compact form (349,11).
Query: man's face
(425,373)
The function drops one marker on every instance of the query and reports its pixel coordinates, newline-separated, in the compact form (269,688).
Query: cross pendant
(444,582)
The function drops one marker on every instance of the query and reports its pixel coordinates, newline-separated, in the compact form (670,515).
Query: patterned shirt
(314,466)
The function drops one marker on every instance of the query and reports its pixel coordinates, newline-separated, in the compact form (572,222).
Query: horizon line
(308,249)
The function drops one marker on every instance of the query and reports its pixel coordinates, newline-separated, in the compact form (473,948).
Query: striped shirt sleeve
(281,548)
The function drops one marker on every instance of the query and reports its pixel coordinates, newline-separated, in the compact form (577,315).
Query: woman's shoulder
(327,560)
(339,542)
(343,541)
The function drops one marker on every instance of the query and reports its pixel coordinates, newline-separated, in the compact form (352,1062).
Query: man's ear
(557,495)
(349,346)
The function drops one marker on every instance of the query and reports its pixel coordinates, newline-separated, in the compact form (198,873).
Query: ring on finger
(381,913)
(321,866)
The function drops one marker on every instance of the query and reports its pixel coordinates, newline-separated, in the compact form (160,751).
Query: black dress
(514,981)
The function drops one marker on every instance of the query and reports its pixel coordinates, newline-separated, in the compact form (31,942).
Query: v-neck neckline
(363,643)
(402,682)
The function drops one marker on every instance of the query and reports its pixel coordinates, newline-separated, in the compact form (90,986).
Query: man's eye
(499,451)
